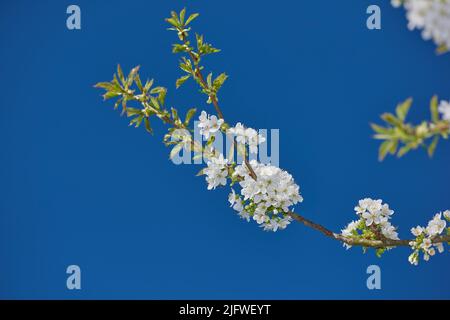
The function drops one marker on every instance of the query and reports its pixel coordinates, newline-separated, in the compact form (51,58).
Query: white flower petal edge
(430,16)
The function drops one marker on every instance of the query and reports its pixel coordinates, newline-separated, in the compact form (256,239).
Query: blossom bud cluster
(424,238)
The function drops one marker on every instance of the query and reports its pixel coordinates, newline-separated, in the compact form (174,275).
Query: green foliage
(190,63)
(399,137)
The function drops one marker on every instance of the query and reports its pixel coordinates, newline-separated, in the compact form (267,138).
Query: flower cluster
(424,236)
(266,199)
(430,16)
(373,222)
(247,136)
(444,109)
(216,172)
(209,124)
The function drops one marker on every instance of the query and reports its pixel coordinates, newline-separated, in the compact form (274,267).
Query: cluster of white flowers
(424,237)
(444,109)
(209,124)
(266,199)
(373,215)
(216,172)
(377,213)
(247,136)
(430,16)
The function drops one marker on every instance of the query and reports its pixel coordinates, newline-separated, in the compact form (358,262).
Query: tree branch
(359,242)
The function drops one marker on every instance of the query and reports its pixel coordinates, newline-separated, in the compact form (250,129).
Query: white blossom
(430,16)
(436,225)
(373,211)
(424,239)
(247,136)
(447,214)
(216,172)
(444,109)
(389,231)
(270,196)
(417,231)
(209,124)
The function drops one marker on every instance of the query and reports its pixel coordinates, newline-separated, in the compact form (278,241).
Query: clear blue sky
(80,187)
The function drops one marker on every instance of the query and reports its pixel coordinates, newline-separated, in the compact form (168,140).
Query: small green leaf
(182,80)
(137,121)
(110,94)
(131,76)
(391,119)
(133,111)
(384,149)
(182,14)
(432,146)
(173,22)
(120,74)
(106,85)
(201,172)
(148,85)
(209,80)
(138,81)
(161,91)
(434,109)
(175,114)
(404,150)
(147,125)
(218,82)
(379,129)
(403,109)
(189,116)
(191,18)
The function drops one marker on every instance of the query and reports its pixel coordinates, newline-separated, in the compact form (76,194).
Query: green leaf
(116,105)
(173,22)
(391,119)
(379,129)
(133,111)
(155,102)
(148,85)
(110,94)
(120,74)
(137,121)
(432,147)
(182,14)
(403,109)
(434,109)
(189,116)
(106,85)
(209,80)
(200,173)
(131,76)
(384,149)
(138,81)
(174,114)
(161,91)
(191,18)
(175,17)
(218,82)
(147,125)
(182,80)
(404,150)
(177,48)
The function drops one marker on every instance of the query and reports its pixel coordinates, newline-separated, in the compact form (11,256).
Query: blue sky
(80,187)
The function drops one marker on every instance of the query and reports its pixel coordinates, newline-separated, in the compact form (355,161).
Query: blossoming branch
(260,192)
